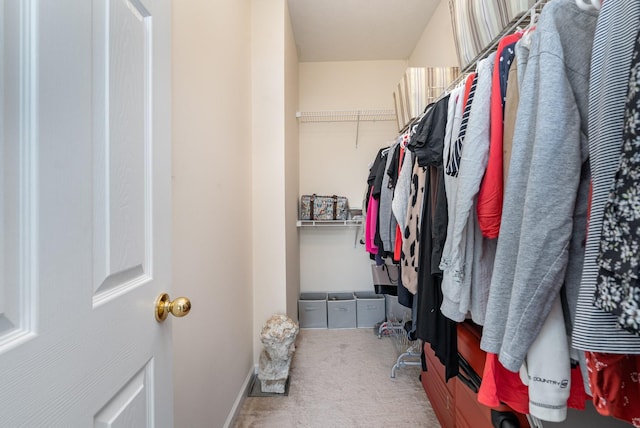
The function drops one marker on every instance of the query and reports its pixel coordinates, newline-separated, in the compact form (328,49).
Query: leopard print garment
(411,233)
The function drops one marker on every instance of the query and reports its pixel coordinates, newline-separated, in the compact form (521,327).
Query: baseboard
(244,390)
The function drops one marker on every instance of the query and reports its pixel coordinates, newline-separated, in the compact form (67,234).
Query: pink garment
(371,225)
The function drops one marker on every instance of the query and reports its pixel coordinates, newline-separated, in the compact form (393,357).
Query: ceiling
(358,30)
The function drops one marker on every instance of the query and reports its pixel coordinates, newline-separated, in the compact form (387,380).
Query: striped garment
(477,22)
(618,24)
(618,288)
(453,166)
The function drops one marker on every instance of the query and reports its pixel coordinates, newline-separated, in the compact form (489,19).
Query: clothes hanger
(589,4)
(526,33)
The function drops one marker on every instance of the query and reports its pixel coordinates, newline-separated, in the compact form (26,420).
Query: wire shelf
(372,115)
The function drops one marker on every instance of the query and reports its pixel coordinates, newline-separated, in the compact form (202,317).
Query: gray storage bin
(395,311)
(341,310)
(370,309)
(312,310)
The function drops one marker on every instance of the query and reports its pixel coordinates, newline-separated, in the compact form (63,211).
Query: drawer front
(441,394)
(434,364)
(441,400)
(470,413)
(469,347)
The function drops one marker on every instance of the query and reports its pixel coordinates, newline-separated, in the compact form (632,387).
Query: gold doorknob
(178,308)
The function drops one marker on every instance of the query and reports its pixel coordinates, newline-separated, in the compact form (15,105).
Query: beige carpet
(341,378)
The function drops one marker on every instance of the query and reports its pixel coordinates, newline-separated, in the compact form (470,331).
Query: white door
(84,213)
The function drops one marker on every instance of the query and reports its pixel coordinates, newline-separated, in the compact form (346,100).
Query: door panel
(84,213)
(122,227)
(130,406)
(18,179)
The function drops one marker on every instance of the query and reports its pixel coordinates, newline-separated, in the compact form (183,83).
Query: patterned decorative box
(314,207)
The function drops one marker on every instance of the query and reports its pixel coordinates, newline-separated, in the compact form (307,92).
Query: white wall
(436,47)
(292,167)
(212,194)
(332,163)
(274,152)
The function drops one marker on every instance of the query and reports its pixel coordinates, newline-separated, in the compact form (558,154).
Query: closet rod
(523,18)
(371,115)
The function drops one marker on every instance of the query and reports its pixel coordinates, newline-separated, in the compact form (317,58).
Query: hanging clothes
(400,201)
(548,368)
(427,145)
(386,221)
(404,140)
(470,260)
(398,241)
(618,24)
(456,147)
(454,120)
(541,98)
(548,357)
(491,192)
(615,385)
(411,233)
(618,290)
(431,326)
(373,185)
(377,195)
(544,249)
(510,114)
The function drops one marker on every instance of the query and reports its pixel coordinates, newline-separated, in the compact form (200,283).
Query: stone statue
(278,337)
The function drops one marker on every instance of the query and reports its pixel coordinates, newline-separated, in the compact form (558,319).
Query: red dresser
(454,403)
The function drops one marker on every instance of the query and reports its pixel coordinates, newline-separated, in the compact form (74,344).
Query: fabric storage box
(312,310)
(341,310)
(370,309)
(396,311)
(314,207)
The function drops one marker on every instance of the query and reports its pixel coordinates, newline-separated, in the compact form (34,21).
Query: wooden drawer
(470,413)
(455,404)
(469,346)
(441,394)
(434,364)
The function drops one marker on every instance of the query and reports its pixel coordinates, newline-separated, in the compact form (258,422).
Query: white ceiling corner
(358,30)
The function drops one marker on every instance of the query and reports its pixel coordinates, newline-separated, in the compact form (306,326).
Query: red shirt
(492,188)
